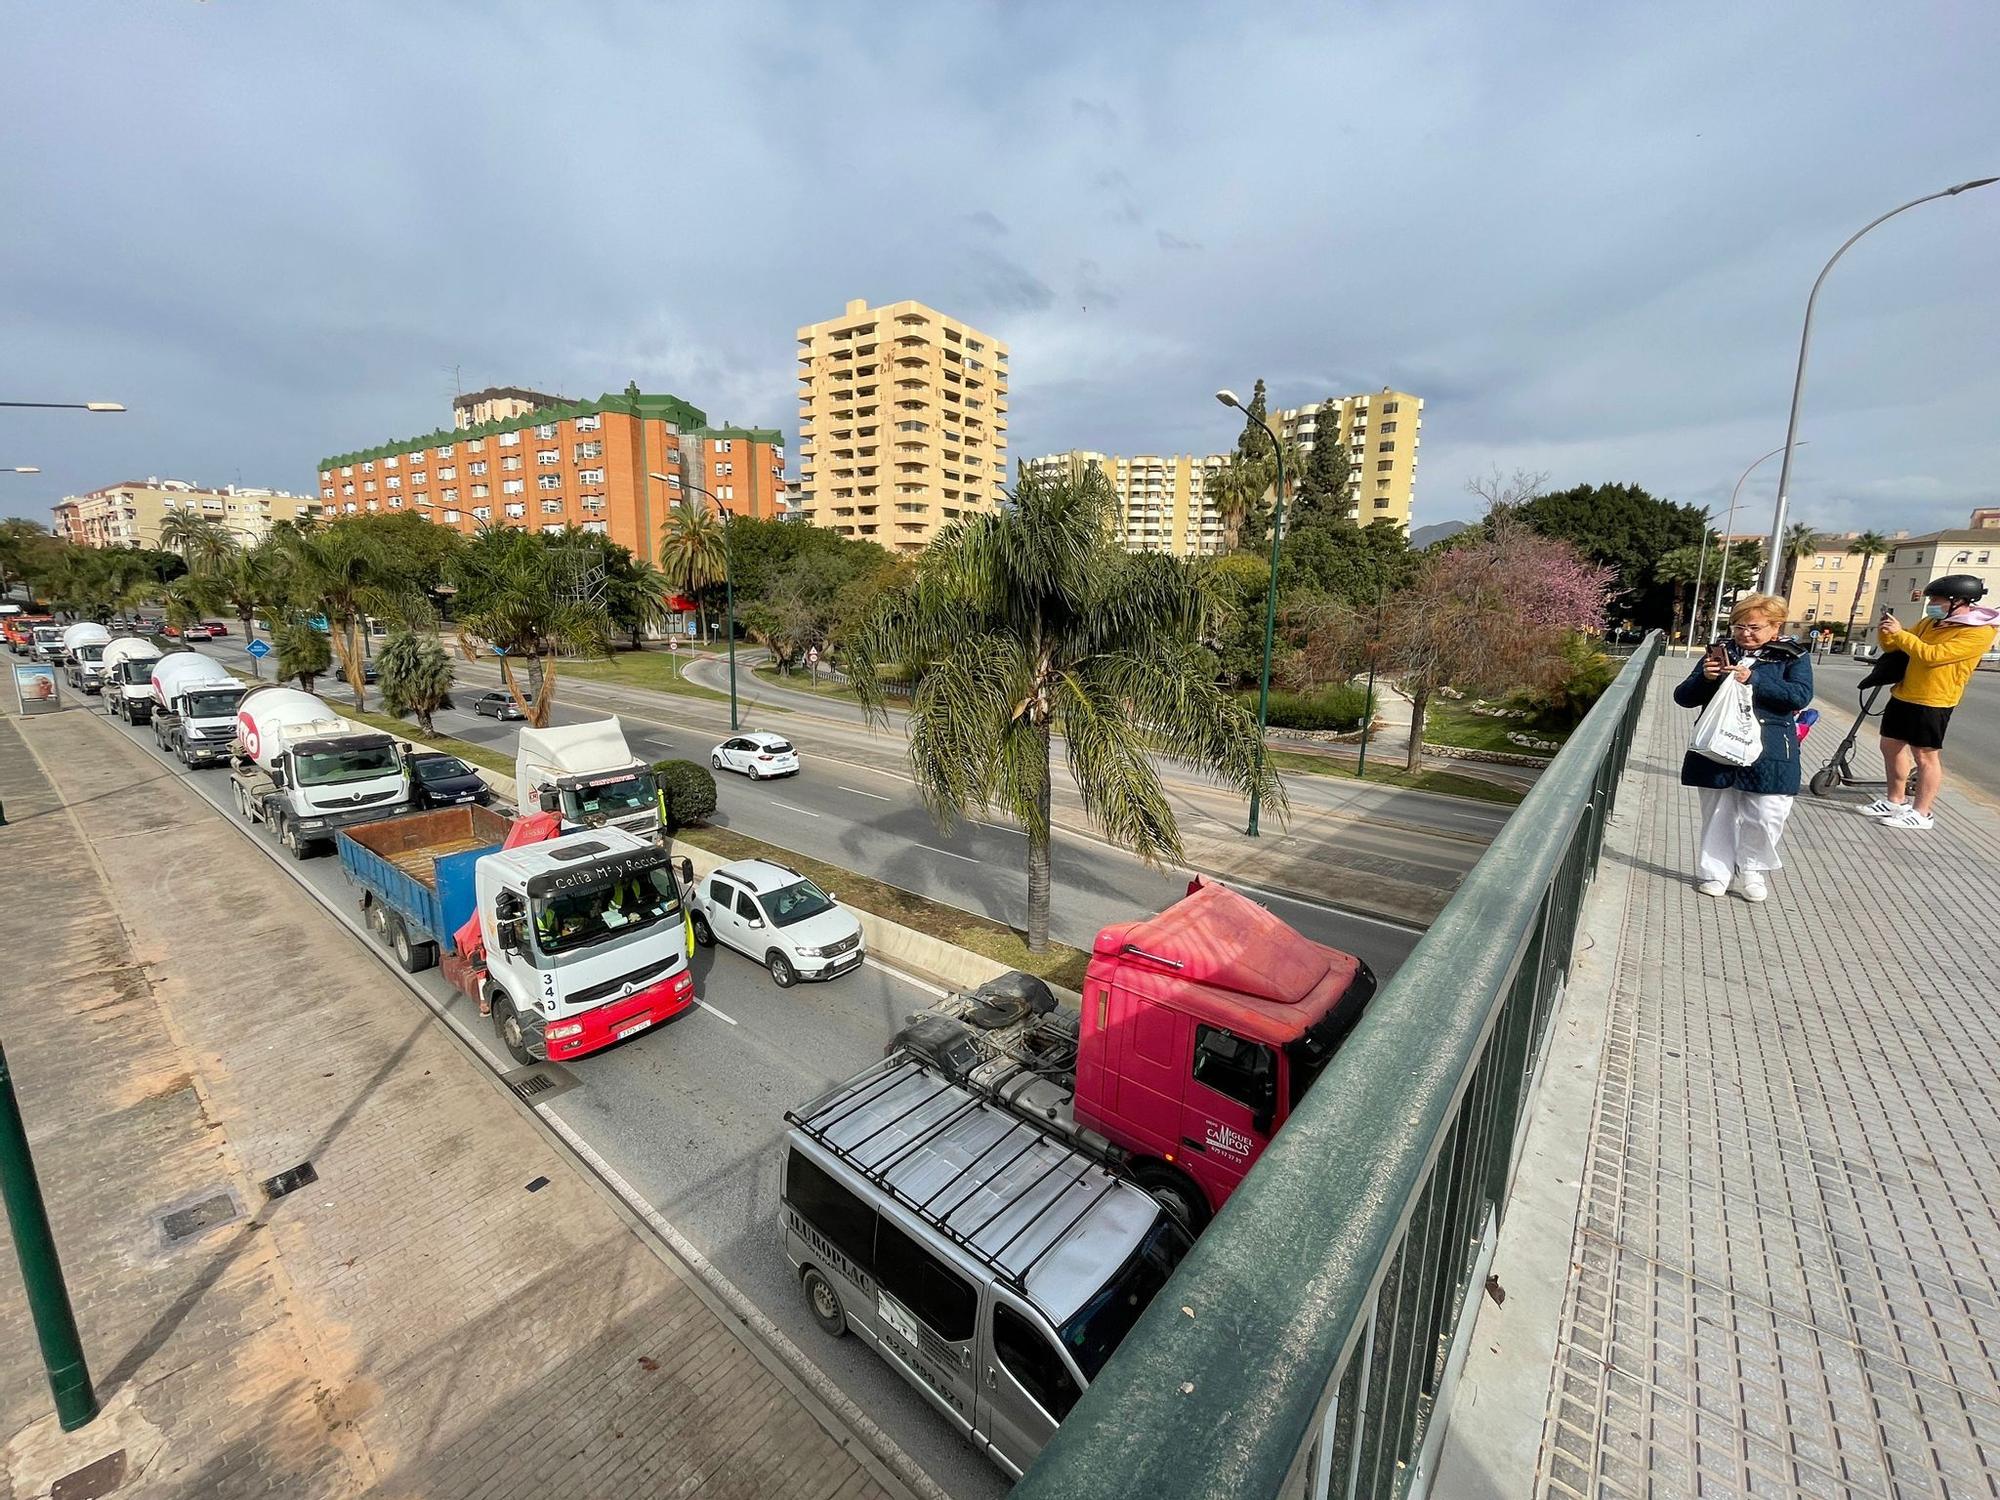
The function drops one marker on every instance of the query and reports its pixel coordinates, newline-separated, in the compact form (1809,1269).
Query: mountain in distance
(1423,536)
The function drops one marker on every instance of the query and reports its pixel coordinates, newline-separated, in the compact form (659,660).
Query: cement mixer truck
(128,678)
(305,772)
(83,655)
(194,708)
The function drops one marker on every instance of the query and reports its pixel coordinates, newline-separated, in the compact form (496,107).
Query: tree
(792,616)
(1685,568)
(636,593)
(1624,527)
(693,550)
(416,676)
(1868,546)
(303,651)
(531,598)
(348,573)
(249,582)
(26,550)
(1801,541)
(1028,623)
(201,542)
(1490,616)
(187,601)
(1326,488)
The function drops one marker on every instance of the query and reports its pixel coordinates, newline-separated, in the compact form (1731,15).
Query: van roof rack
(902,1095)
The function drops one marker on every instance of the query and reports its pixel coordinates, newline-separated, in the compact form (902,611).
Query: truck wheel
(704,935)
(1176,1193)
(411,957)
(783,975)
(508,1027)
(825,1304)
(289,837)
(377,918)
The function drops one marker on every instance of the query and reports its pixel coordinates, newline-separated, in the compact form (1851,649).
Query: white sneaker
(1882,807)
(1751,884)
(1713,888)
(1909,817)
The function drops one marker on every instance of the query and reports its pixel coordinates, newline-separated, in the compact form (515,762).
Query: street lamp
(1228,399)
(1722,577)
(1772,564)
(68,405)
(728,587)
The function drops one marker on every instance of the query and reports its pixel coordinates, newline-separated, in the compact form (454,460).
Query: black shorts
(1916,724)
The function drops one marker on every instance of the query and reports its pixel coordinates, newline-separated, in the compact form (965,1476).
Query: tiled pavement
(451,1310)
(1785,1275)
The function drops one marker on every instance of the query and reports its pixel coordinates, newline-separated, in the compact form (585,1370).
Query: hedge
(687,792)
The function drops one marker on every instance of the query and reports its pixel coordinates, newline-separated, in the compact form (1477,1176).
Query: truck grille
(611,987)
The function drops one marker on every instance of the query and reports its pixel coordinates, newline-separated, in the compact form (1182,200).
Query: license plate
(639,1025)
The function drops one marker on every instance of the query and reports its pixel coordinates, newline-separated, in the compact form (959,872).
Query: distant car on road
(497,706)
(440,780)
(216,629)
(774,915)
(756,755)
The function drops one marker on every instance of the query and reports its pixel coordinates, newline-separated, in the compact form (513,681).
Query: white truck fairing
(593,772)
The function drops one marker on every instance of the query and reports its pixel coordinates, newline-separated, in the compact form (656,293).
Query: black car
(498,706)
(440,780)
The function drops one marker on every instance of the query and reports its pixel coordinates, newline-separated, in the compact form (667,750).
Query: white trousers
(1740,831)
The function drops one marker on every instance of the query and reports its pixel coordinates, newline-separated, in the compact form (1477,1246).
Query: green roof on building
(686,418)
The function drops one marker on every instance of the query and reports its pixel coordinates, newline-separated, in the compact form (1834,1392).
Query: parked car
(216,629)
(440,780)
(771,913)
(756,755)
(497,706)
(171,632)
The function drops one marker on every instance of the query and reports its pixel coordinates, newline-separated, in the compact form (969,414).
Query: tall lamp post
(728,588)
(21,469)
(1228,399)
(1729,522)
(69,405)
(1774,564)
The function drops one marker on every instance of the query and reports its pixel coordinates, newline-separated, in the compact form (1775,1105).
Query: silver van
(994,1266)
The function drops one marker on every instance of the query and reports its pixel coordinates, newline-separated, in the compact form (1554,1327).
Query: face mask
(1934,611)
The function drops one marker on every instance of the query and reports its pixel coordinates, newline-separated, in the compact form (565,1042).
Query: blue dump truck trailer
(418,879)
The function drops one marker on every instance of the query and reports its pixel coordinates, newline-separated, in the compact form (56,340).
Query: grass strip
(962,929)
(1455,724)
(656,671)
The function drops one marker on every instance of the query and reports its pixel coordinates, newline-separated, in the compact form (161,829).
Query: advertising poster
(35,686)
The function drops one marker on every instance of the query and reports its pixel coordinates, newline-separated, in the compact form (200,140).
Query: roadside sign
(35,687)
(258,649)
(673,645)
(812,655)
(691,630)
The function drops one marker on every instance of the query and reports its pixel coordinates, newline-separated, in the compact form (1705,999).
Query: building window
(725,468)
(391,462)
(548,482)
(1388,408)
(422,497)
(451,497)
(417,476)
(480,492)
(590,476)
(1386,427)
(556,530)
(346,471)
(445,451)
(516,512)
(482,512)
(369,467)
(596,528)
(510,439)
(552,507)
(451,517)
(512,486)
(545,430)
(1388,447)
(587,451)
(327,493)
(725,445)
(475,445)
(549,456)
(395,502)
(1386,463)
(511,461)
(726,492)
(589,424)
(447,473)
(394,481)
(476,469)
(367,486)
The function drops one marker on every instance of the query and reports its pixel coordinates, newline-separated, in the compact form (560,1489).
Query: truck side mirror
(549,800)
(509,933)
(507,906)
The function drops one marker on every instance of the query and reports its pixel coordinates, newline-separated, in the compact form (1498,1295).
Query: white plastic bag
(1727,730)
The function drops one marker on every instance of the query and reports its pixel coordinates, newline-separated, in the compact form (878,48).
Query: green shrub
(1340,708)
(687,792)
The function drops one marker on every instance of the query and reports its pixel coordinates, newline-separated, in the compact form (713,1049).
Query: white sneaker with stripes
(1882,807)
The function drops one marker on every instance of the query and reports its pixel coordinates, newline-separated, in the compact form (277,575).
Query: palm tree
(201,542)
(303,651)
(1801,542)
(187,601)
(1684,567)
(694,553)
(248,582)
(1032,622)
(531,598)
(1868,546)
(347,574)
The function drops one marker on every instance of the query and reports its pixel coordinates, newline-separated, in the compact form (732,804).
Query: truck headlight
(564,1032)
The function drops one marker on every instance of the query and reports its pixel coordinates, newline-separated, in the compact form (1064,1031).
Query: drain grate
(205,1213)
(539,1082)
(290,1181)
(92,1480)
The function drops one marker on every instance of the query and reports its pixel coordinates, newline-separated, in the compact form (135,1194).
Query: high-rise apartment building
(497,403)
(1381,433)
(902,423)
(588,464)
(1163,503)
(130,514)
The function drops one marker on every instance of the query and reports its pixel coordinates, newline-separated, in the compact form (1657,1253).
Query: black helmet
(1967,588)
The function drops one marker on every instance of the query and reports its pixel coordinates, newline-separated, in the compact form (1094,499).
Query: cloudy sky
(1583,233)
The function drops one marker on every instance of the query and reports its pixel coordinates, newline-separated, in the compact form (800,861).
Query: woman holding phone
(1744,808)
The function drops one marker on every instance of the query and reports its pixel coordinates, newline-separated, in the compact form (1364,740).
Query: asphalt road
(1972,745)
(691,1116)
(870,819)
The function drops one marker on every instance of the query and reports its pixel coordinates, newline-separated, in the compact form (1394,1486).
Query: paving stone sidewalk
(450,1310)
(1785,1275)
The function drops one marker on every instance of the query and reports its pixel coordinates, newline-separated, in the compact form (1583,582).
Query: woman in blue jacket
(1743,808)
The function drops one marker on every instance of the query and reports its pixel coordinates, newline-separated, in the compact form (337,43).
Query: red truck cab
(1201,1030)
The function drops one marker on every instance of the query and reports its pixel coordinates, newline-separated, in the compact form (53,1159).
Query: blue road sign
(258,649)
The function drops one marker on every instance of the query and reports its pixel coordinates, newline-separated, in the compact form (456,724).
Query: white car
(776,916)
(756,755)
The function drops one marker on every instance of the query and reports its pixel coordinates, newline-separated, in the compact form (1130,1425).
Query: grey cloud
(984,220)
(1096,111)
(1171,241)
(1006,286)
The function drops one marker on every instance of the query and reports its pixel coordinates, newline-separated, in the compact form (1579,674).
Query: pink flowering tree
(1491,616)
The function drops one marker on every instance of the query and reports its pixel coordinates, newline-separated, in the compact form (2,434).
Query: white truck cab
(587,775)
(586,942)
(83,651)
(194,707)
(310,771)
(128,678)
(47,645)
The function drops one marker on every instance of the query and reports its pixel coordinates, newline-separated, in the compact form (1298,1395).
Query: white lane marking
(948,854)
(789,808)
(859,793)
(1339,911)
(895,973)
(714,1012)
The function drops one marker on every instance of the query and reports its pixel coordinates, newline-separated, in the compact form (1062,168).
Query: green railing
(1305,1345)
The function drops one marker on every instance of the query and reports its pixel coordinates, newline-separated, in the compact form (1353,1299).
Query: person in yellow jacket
(1944,649)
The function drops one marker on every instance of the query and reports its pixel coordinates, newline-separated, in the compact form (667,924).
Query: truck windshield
(326,767)
(218,703)
(576,919)
(1100,1325)
(92,652)
(614,799)
(133,673)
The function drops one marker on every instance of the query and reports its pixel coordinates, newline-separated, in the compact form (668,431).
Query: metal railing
(1308,1341)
